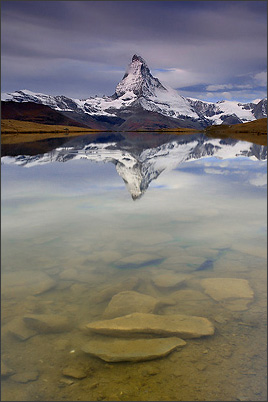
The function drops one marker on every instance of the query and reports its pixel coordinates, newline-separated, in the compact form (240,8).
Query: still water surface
(101,215)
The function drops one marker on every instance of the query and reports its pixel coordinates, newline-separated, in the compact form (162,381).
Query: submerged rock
(5,370)
(170,280)
(47,323)
(114,350)
(225,288)
(109,291)
(18,328)
(129,301)
(185,295)
(149,371)
(257,250)
(184,260)
(206,265)
(237,304)
(188,301)
(25,377)
(138,260)
(83,276)
(23,283)
(235,293)
(135,324)
(74,372)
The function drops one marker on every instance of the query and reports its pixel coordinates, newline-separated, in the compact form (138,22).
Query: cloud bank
(81,48)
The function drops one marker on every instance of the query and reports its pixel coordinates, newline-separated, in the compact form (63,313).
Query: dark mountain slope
(38,113)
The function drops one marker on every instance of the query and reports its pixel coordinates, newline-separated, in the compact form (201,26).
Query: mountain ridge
(139,96)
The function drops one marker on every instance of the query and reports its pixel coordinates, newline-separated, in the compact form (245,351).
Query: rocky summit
(141,101)
(139,80)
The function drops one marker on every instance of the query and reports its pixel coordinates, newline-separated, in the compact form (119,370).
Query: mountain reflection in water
(139,158)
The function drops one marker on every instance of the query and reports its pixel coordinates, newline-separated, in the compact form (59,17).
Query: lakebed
(82,248)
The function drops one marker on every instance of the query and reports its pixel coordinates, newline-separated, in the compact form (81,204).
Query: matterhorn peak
(138,58)
(138,79)
(140,92)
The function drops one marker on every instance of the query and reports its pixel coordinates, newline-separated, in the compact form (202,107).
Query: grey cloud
(213,40)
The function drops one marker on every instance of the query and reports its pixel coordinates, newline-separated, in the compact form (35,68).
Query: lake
(102,226)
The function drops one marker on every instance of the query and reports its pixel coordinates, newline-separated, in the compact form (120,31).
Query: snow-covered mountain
(139,164)
(230,112)
(142,101)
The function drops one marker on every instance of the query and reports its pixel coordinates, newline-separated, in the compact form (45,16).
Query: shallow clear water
(96,217)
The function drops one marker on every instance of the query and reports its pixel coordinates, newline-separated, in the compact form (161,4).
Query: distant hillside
(38,113)
(253,131)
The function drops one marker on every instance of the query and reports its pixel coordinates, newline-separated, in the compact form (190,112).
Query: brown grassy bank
(253,131)
(15,131)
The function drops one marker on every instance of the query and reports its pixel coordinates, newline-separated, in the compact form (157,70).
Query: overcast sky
(210,50)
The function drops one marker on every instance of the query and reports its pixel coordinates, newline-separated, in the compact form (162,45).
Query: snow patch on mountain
(228,108)
(255,101)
